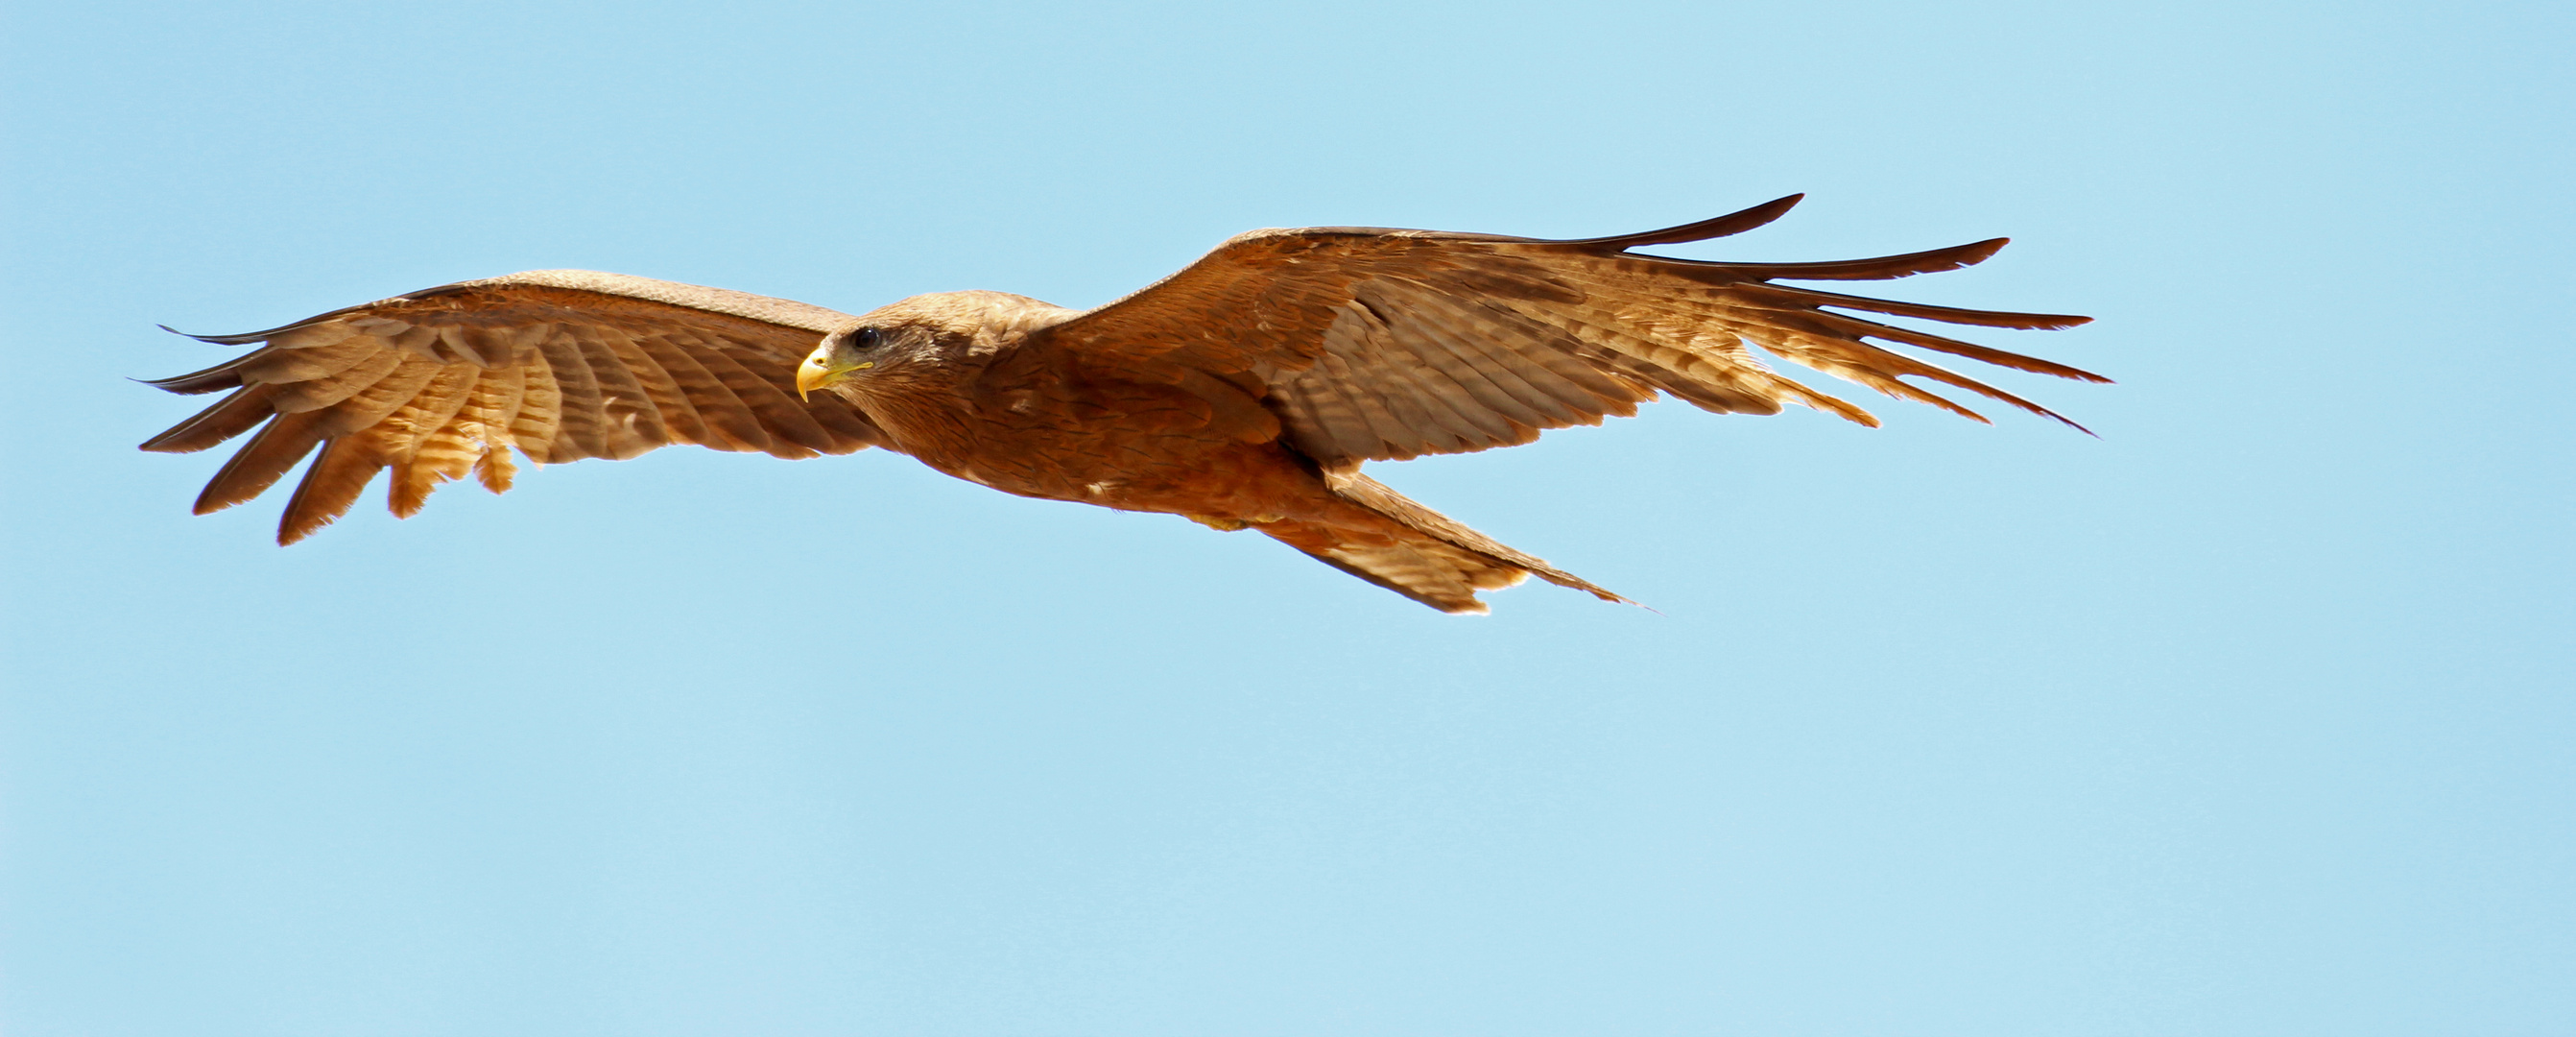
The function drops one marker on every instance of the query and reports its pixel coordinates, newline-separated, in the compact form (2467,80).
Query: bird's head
(882,350)
(847,354)
(926,339)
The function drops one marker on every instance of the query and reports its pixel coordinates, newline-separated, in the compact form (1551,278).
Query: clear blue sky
(2251,717)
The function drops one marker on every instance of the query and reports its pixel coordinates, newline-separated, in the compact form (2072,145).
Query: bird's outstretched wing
(561,364)
(1376,344)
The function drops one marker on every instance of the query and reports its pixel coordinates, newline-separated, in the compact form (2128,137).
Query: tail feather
(1414,551)
(1433,573)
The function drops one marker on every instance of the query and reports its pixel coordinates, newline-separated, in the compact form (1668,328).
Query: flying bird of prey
(1243,392)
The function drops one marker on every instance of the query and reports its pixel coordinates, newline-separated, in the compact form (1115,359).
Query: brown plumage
(1242,392)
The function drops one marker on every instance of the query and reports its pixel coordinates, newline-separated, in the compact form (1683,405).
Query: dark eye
(864,338)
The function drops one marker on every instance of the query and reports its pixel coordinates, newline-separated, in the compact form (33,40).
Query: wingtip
(1622,599)
(221,376)
(2051,321)
(1733,223)
(230,340)
(1760,215)
(220,340)
(1777,207)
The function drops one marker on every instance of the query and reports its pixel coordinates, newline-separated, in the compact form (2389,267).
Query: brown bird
(1242,392)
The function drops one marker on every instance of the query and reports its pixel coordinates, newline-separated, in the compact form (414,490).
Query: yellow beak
(817,372)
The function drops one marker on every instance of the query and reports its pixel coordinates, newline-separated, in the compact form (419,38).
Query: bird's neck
(927,407)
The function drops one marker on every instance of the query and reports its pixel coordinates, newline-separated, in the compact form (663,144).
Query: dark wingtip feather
(2061,419)
(331,484)
(1717,227)
(1971,254)
(229,417)
(2052,415)
(1876,268)
(276,447)
(221,376)
(1992,393)
(2041,321)
(1812,298)
(229,340)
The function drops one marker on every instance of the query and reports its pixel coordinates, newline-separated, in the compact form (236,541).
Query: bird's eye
(864,338)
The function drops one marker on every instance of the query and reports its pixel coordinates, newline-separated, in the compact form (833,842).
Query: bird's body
(1003,411)
(989,397)
(1243,392)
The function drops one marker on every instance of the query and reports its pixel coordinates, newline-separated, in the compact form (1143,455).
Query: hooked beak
(821,370)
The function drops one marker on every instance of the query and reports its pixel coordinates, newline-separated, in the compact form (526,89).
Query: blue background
(2251,717)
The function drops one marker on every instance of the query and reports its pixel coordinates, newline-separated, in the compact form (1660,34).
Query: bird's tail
(1414,551)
